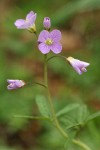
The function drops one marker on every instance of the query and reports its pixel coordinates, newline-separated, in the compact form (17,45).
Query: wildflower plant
(49,40)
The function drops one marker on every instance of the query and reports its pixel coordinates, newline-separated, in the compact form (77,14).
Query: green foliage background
(20,59)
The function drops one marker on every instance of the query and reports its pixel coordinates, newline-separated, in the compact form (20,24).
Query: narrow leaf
(94,115)
(43,105)
(83,113)
(67,109)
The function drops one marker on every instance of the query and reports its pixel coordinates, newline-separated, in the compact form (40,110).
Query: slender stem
(45,70)
(81,144)
(50,101)
(46,83)
(61,56)
(54,119)
(37,84)
(32,117)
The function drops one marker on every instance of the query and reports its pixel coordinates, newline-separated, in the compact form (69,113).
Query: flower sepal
(32,29)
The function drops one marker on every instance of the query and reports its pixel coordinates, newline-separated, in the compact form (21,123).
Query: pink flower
(50,41)
(79,66)
(28,23)
(47,23)
(15,84)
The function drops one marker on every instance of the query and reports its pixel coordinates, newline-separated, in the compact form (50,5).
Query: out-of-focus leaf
(69,122)
(43,105)
(82,114)
(67,109)
(73,8)
(6,148)
(93,116)
(68,142)
(76,118)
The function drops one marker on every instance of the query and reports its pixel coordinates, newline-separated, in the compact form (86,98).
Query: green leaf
(66,145)
(67,109)
(82,114)
(68,142)
(43,105)
(94,115)
(70,122)
(72,8)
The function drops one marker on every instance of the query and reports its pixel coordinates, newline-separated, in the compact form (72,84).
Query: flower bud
(47,23)
(15,84)
(78,66)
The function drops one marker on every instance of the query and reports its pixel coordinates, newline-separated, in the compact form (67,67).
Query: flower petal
(56,48)
(55,35)
(47,23)
(10,81)
(78,66)
(14,84)
(11,87)
(31,17)
(21,24)
(77,69)
(44,35)
(44,48)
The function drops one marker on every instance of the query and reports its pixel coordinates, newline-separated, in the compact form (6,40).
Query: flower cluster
(47,41)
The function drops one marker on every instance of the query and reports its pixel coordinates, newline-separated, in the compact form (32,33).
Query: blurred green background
(79,22)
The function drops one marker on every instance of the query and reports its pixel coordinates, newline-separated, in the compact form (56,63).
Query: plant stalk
(54,118)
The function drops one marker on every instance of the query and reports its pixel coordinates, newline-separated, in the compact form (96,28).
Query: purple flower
(28,23)
(47,23)
(15,84)
(79,66)
(49,41)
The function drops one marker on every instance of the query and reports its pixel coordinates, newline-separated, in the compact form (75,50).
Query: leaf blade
(66,109)
(43,105)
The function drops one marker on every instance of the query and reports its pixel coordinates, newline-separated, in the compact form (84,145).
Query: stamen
(49,42)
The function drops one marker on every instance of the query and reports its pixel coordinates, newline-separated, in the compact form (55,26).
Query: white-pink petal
(21,24)
(44,35)
(56,48)
(44,48)
(78,66)
(29,15)
(55,35)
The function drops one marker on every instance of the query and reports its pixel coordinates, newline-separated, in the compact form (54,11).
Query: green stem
(54,119)
(46,83)
(37,84)
(81,144)
(32,117)
(61,56)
